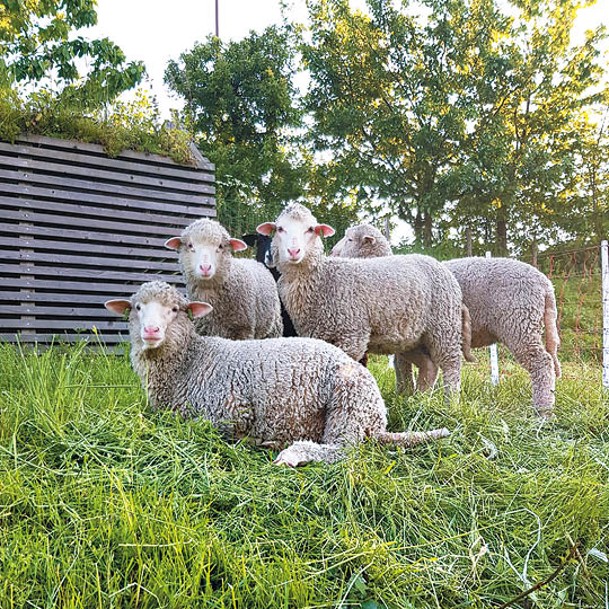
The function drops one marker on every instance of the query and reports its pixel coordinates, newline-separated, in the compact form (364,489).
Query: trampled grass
(107,504)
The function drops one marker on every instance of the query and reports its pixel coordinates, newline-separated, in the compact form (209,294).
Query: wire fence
(577,278)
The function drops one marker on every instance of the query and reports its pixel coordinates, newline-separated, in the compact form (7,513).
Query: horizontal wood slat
(116,225)
(61,210)
(27,151)
(118,289)
(109,199)
(33,167)
(78,228)
(96,150)
(111,249)
(85,185)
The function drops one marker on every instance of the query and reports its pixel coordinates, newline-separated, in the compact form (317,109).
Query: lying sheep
(296,391)
(243,292)
(509,302)
(365,305)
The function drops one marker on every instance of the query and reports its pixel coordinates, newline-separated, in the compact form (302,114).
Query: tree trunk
(469,246)
(427,231)
(534,252)
(417,226)
(501,233)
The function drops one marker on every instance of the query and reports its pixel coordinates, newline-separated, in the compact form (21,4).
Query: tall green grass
(107,504)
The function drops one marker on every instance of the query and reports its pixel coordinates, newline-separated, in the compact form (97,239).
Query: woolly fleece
(242,292)
(297,391)
(379,305)
(510,302)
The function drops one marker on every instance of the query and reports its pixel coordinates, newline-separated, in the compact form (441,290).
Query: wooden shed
(78,227)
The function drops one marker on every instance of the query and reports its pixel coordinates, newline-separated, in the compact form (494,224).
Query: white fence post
(605,285)
(494,356)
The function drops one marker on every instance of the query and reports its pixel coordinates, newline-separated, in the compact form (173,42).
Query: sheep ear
(369,239)
(237,245)
(174,243)
(118,307)
(266,228)
(198,309)
(324,230)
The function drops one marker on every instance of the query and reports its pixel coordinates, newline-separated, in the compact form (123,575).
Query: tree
(530,95)
(460,118)
(241,104)
(36,48)
(381,99)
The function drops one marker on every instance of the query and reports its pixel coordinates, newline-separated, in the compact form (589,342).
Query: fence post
(494,356)
(605,286)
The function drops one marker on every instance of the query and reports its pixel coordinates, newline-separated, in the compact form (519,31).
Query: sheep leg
(449,361)
(540,366)
(403,364)
(404,378)
(411,438)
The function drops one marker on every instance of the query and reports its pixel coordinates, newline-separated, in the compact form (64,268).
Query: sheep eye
(280,229)
(191,246)
(349,239)
(221,247)
(138,307)
(175,309)
(310,229)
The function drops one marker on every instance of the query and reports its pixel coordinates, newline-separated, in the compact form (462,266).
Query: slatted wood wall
(77,228)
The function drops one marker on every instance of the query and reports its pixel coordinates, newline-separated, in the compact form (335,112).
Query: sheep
(243,292)
(362,241)
(509,301)
(297,391)
(263,255)
(368,304)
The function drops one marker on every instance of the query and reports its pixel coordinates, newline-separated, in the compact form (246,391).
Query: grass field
(106,504)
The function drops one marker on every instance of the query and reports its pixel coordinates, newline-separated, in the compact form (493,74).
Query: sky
(155,32)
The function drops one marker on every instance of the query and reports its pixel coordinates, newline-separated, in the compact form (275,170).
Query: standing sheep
(362,241)
(509,302)
(242,292)
(263,255)
(301,392)
(365,305)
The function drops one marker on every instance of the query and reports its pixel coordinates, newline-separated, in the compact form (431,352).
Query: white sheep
(509,301)
(362,241)
(242,291)
(299,392)
(364,305)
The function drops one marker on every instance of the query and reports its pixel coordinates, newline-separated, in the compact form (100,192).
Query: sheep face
(296,233)
(205,249)
(362,241)
(152,310)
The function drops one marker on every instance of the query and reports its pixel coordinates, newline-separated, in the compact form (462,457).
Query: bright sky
(156,32)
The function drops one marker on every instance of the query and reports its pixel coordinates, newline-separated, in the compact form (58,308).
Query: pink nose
(294,251)
(151,330)
(205,268)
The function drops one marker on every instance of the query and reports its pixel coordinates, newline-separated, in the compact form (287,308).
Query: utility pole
(217,21)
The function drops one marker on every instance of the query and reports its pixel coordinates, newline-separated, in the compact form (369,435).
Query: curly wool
(242,292)
(274,392)
(378,305)
(362,241)
(509,302)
